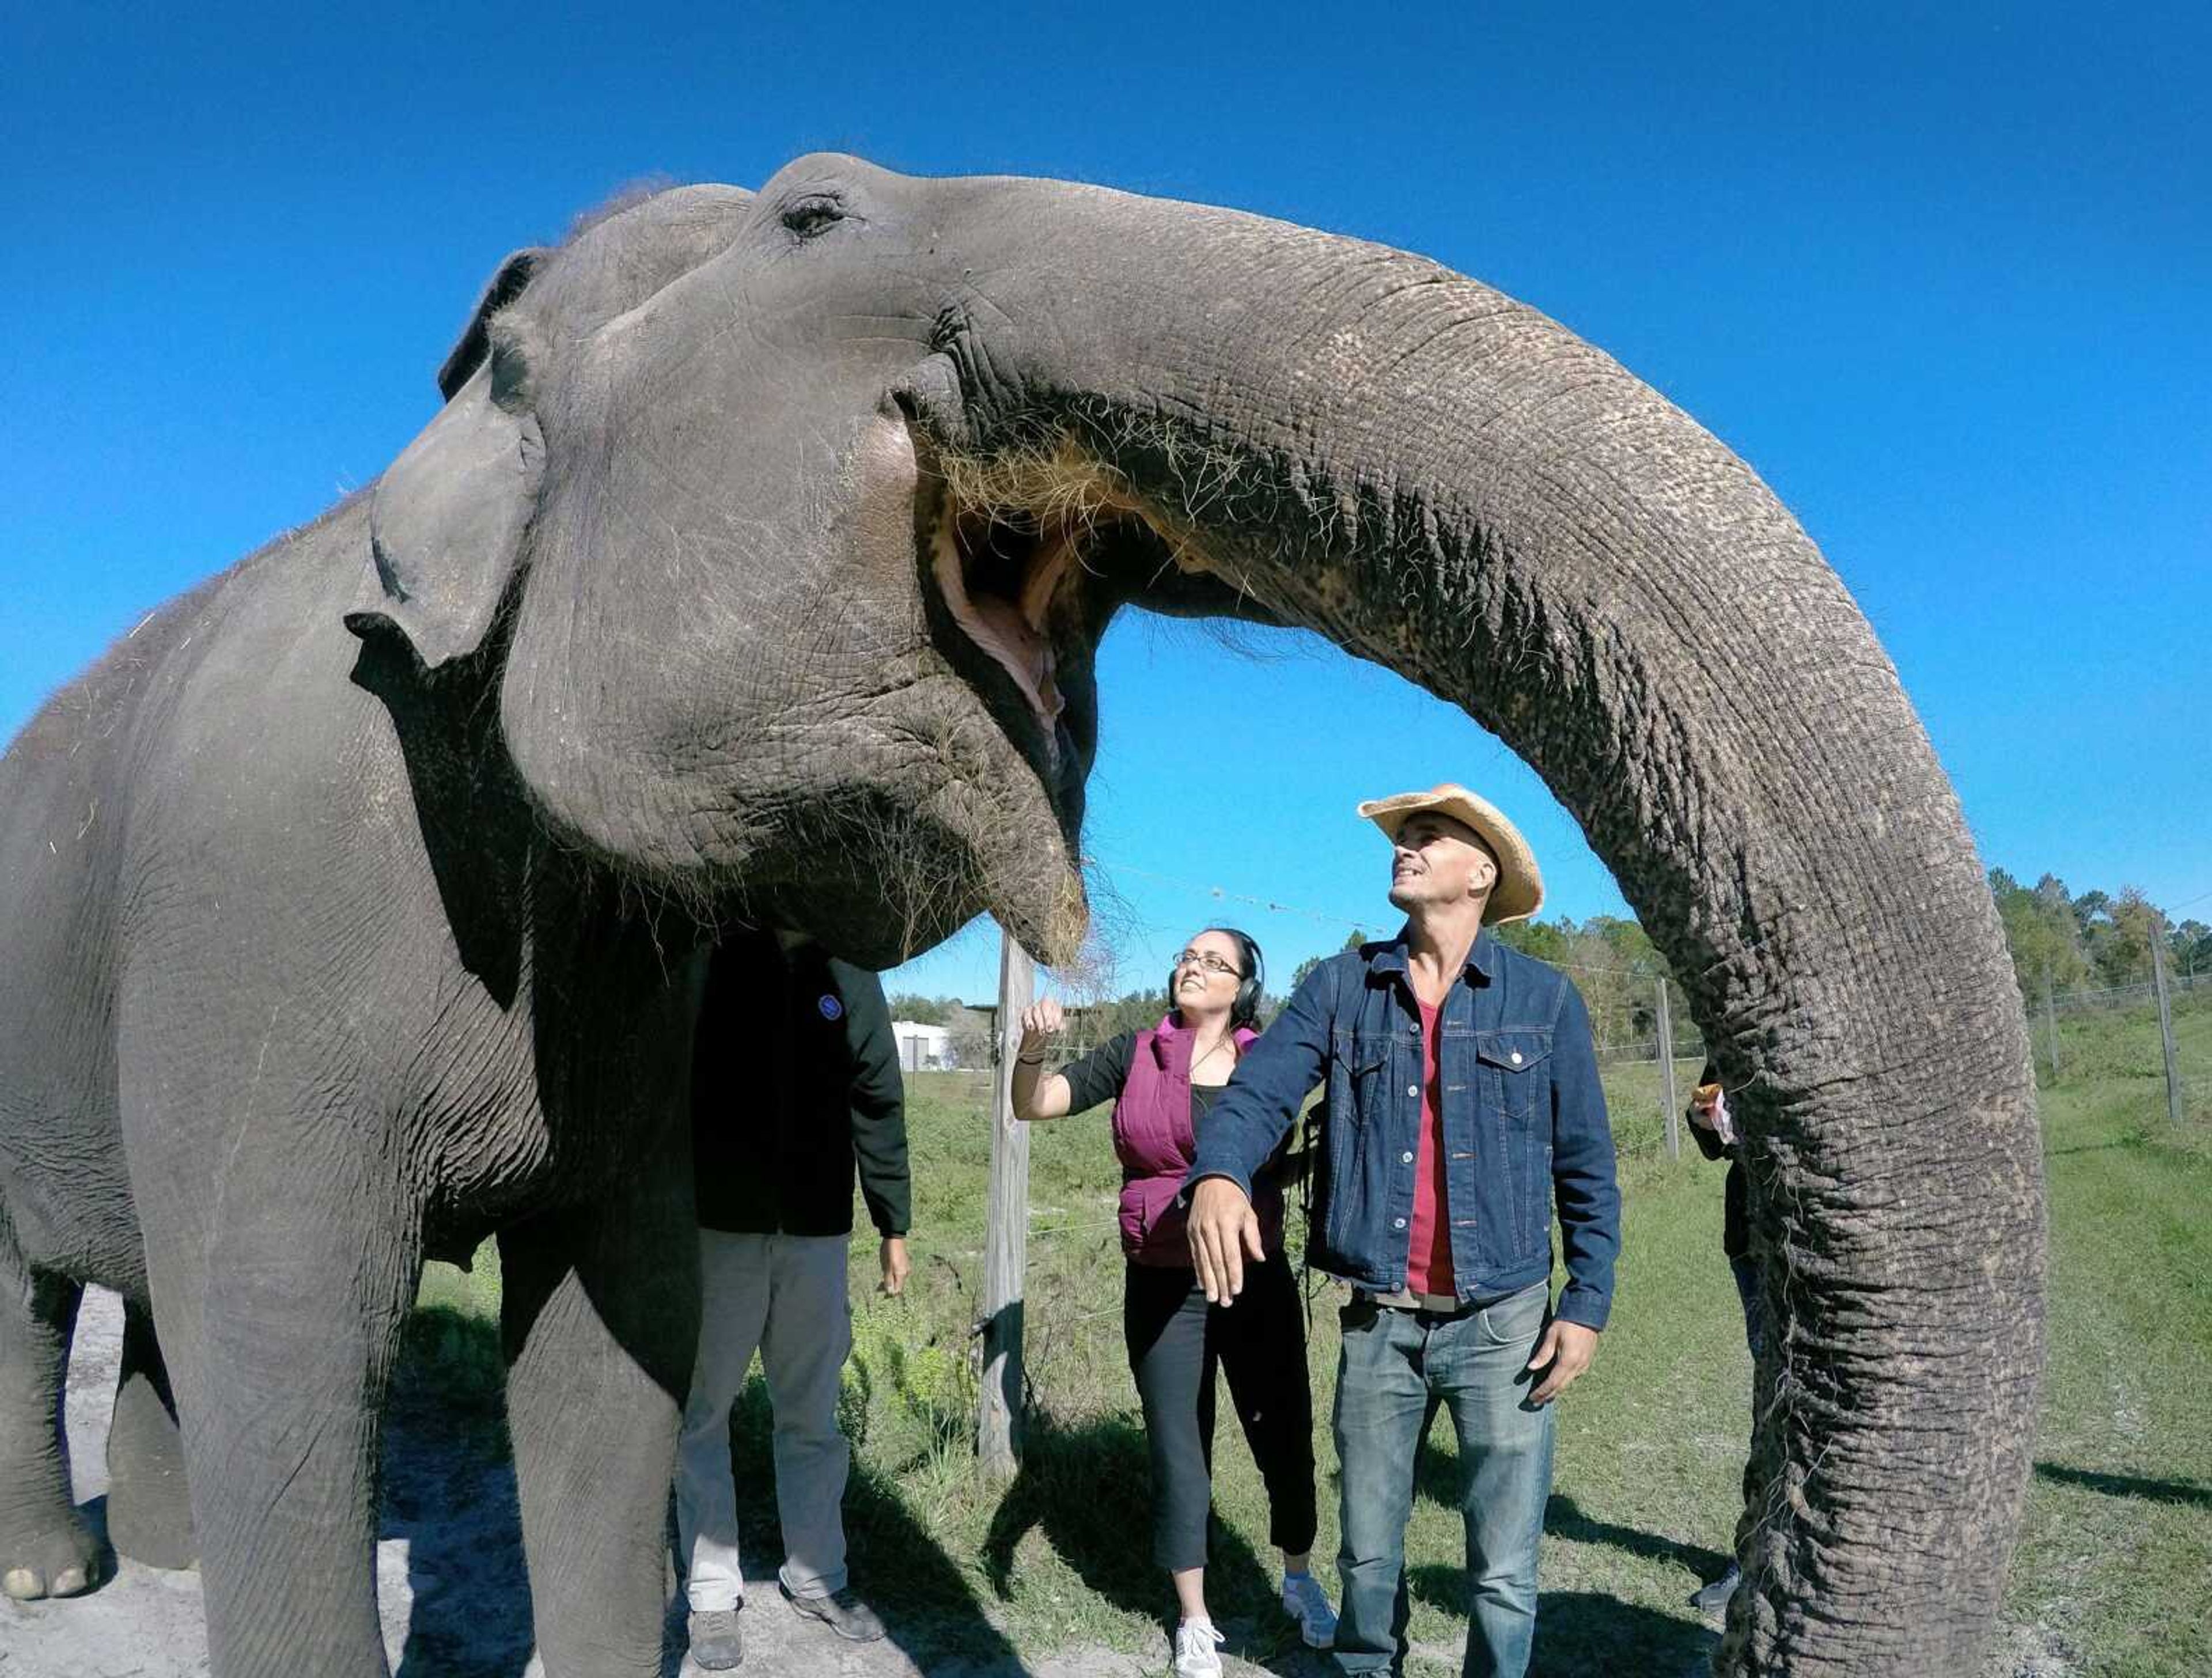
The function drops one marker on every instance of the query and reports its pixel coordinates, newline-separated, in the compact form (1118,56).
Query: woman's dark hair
(1252,981)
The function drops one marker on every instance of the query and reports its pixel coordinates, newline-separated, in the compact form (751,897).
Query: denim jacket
(1524,1124)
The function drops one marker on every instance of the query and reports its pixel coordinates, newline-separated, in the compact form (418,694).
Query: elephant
(751,573)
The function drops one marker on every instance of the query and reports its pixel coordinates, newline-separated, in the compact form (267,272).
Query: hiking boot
(1305,1602)
(1714,1598)
(717,1645)
(842,1612)
(1195,1641)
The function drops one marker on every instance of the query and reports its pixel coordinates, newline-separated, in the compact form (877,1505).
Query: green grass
(2116,1555)
(2116,1558)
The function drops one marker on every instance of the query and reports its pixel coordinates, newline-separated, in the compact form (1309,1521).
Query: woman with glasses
(1161,1082)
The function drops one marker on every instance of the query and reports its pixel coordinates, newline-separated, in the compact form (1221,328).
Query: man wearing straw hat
(1464,1112)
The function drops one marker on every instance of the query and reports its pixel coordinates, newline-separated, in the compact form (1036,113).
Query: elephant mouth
(1001,573)
(1020,548)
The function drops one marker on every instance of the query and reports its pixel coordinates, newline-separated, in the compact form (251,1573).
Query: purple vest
(1153,1138)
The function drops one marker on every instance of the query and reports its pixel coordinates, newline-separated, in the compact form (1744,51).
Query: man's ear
(446,520)
(1483,880)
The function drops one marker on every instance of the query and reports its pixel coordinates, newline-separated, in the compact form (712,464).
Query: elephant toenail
(22,1585)
(69,1582)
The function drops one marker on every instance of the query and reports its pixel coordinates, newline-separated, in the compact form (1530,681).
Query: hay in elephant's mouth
(1011,543)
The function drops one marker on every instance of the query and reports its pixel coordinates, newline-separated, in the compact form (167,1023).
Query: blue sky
(1940,273)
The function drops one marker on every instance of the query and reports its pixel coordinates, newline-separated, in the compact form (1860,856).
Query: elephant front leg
(150,1509)
(600,1316)
(45,1549)
(282,1364)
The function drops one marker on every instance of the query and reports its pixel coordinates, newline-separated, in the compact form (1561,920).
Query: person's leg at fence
(1263,1353)
(734,1307)
(1382,1410)
(1164,1324)
(1714,1598)
(1479,1364)
(803,1351)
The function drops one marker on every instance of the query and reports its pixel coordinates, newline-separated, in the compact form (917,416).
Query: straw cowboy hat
(1519,891)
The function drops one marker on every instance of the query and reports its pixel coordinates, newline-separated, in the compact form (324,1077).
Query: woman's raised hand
(1041,1023)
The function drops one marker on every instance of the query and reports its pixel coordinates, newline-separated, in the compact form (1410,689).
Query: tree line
(2060,942)
(2095,941)
(1611,960)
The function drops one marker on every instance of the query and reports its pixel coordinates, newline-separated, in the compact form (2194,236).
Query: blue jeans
(1396,1366)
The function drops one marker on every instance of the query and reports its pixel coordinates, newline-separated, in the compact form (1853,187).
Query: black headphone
(1250,988)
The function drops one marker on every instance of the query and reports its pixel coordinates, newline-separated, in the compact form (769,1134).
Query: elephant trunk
(1447,483)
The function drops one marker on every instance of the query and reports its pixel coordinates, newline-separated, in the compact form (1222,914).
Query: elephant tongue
(1011,629)
(1008,638)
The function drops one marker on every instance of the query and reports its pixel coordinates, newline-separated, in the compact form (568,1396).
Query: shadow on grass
(1437,1478)
(928,1605)
(1564,1518)
(1081,1486)
(2126,1486)
(2087,1147)
(1579,1631)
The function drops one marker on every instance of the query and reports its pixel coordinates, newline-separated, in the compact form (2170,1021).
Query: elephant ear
(475,344)
(447,521)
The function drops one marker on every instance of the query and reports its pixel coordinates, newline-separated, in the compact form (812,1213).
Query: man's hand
(894,1261)
(1567,1347)
(1223,1228)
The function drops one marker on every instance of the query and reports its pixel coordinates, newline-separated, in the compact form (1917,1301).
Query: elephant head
(794,520)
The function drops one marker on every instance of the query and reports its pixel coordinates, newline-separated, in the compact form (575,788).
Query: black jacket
(1735,1231)
(794,1079)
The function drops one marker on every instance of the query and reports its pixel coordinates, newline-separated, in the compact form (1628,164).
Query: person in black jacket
(795,1086)
(1712,1126)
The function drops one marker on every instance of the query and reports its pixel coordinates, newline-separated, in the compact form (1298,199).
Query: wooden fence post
(1007,1229)
(1667,1072)
(2174,1105)
(2049,1025)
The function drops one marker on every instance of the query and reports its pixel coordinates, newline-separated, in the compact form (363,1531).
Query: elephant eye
(810,217)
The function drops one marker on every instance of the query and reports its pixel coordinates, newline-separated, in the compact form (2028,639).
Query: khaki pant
(784,1294)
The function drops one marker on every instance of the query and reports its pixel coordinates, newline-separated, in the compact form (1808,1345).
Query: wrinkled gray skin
(349,907)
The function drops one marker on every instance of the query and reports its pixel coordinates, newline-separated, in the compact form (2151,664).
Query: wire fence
(1072,1364)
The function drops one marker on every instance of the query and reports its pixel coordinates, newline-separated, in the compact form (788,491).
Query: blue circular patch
(831,1009)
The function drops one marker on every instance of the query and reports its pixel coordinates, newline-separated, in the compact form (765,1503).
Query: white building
(923,1047)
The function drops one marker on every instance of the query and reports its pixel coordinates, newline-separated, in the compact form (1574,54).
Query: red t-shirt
(1428,1247)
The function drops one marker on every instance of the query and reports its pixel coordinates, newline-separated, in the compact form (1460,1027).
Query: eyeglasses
(1207,960)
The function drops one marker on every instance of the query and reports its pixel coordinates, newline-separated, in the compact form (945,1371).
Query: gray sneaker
(1714,1598)
(717,1645)
(842,1612)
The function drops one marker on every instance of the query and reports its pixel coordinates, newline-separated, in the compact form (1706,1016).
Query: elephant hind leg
(45,1549)
(149,1509)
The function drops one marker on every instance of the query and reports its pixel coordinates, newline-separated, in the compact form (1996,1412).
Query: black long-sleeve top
(795,1086)
(1736,1228)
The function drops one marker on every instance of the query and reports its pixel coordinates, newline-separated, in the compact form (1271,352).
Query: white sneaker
(1195,1641)
(1305,1602)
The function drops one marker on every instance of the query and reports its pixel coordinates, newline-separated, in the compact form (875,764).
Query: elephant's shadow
(449,1490)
